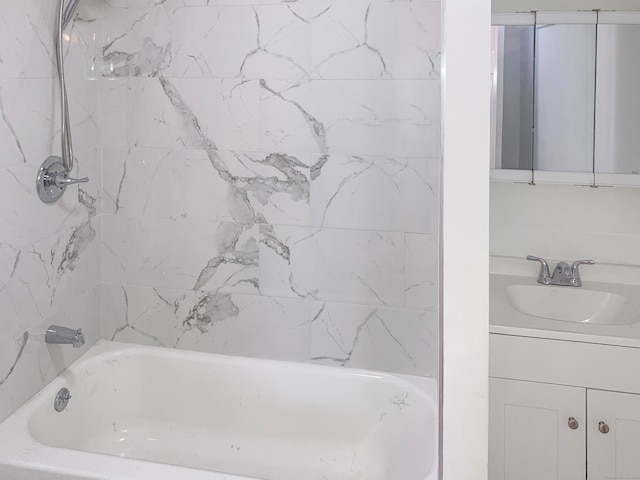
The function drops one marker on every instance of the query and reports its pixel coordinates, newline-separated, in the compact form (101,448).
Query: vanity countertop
(506,320)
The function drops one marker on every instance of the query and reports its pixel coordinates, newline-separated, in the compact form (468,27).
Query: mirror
(512,95)
(618,99)
(565,98)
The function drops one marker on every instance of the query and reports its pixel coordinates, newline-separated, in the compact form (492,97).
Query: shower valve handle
(63,180)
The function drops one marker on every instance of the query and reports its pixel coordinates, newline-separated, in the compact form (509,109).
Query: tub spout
(63,335)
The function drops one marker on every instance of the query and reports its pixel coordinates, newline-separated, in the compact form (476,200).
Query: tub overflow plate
(62,399)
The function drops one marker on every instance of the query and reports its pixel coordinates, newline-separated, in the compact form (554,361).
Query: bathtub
(152,413)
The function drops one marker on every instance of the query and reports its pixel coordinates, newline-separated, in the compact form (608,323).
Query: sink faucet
(63,335)
(563,274)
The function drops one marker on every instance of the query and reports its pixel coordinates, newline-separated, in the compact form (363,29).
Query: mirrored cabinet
(565,97)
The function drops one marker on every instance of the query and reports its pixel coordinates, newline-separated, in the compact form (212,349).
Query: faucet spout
(64,336)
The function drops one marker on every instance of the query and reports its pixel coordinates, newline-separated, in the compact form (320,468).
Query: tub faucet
(63,335)
(563,274)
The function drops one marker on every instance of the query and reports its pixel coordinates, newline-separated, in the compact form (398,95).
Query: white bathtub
(152,413)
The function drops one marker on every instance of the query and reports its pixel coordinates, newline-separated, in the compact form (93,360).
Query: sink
(571,304)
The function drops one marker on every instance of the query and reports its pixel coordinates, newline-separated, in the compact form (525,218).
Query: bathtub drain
(62,399)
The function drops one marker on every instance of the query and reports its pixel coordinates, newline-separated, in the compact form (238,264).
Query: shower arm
(65,129)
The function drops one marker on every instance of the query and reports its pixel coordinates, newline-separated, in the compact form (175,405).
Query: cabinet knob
(573,423)
(603,427)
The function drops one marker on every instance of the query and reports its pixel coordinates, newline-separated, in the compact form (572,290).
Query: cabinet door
(529,433)
(613,451)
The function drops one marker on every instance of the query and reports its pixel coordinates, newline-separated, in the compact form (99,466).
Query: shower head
(69,10)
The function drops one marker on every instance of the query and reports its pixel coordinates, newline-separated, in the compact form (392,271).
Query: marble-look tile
(136,41)
(25,220)
(182,253)
(82,41)
(29,119)
(375,39)
(27,40)
(26,30)
(215,41)
(372,117)
(244,187)
(407,36)
(68,264)
(200,113)
(231,324)
(17,300)
(376,193)
(113,112)
(41,279)
(375,338)
(398,119)
(421,278)
(25,121)
(290,40)
(332,264)
(27,363)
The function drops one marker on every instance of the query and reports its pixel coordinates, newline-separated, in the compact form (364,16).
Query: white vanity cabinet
(616,453)
(536,431)
(556,411)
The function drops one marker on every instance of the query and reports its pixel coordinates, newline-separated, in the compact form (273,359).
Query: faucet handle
(575,273)
(545,276)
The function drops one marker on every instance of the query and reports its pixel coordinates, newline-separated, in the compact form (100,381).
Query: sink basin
(571,304)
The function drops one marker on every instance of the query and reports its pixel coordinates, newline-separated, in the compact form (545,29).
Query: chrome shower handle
(63,181)
(544,277)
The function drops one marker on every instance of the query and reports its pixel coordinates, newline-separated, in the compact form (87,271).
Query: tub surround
(300,144)
(300,141)
(49,255)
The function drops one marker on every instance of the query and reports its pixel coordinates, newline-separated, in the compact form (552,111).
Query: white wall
(566,222)
(465,292)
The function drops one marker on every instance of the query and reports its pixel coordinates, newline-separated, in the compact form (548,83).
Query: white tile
(22,26)
(112,115)
(421,272)
(340,43)
(193,113)
(358,117)
(27,363)
(83,52)
(24,219)
(407,36)
(231,324)
(136,41)
(375,338)
(330,264)
(214,41)
(25,121)
(376,193)
(180,253)
(217,186)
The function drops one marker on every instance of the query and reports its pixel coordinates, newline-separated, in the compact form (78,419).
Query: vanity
(565,360)
(564,394)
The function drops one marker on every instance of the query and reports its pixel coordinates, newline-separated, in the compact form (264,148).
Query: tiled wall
(49,254)
(270,182)
(271,178)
